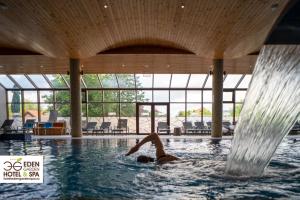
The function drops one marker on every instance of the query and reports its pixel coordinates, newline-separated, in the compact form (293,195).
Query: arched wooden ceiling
(83,28)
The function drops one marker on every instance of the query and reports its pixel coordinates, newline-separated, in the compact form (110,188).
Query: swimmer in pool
(161,155)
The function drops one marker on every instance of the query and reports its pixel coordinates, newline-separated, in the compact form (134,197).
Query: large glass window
(194,96)
(39,81)
(30,96)
(144,80)
(194,112)
(177,115)
(228,112)
(119,96)
(179,80)
(91,80)
(128,111)
(62,96)
(207,96)
(238,109)
(111,96)
(245,82)
(126,80)
(64,112)
(197,80)
(128,95)
(82,83)
(177,95)
(22,81)
(207,112)
(64,109)
(208,83)
(14,96)
(161,95)
(45,111)
(14,107)
(66,78)
(84,114)
(144,95)
(240,96)
(56,80)
(6,82)
(108,80)
(46,96)
(111,113)
(15,112)
(111,109)
(94,96)
(95,112)
(227,96)
(162,80)
(232,80)
(31,111)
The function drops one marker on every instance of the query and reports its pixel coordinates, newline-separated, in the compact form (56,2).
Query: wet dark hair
(145,159)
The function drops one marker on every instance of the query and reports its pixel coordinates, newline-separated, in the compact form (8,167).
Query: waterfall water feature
(271,107)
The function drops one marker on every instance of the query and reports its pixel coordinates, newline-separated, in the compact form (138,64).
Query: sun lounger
(105,127)
(162,127)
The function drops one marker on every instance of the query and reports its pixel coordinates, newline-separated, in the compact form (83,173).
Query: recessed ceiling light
(1,66)
(105,6)
(123,65)
(146,66)
(3,6)
(182,6)
(41,66)
(168,66)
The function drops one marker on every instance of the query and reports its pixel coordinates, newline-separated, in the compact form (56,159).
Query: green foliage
(91,81)
(206,112)
(128,110)
(95,96)
(95,110)
(195,112)
(30,106)
(238,109)
(64,110)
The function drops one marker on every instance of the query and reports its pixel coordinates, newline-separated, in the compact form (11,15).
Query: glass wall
(31,105)
(15,107)
(109,97)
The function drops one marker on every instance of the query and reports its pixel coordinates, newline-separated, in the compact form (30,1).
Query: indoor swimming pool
(98,169)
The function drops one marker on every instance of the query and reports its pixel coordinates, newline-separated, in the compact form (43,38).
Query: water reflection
(83,169)
(215,147)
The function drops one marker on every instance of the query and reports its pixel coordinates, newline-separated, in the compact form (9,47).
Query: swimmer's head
(145,159)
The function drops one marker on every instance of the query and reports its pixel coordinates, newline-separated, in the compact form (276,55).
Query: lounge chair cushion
(48,125)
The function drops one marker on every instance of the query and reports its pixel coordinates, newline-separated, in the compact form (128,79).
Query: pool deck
(137,137)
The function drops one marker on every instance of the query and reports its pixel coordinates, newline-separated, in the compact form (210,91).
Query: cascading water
(271,107)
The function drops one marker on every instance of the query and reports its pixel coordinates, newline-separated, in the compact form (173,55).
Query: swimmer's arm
(137,146)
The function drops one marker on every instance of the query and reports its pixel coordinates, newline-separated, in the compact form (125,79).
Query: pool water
(98,169)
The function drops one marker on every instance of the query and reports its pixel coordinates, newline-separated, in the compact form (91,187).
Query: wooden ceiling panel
(83,28)
(124,63)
